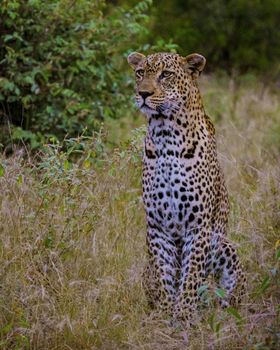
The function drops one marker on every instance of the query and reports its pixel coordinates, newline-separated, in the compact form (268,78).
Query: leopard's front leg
(163,267)
(195,252)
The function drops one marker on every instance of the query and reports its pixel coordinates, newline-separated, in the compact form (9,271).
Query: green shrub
(62,65)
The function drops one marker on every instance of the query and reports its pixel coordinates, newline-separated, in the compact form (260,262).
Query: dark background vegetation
(63,64)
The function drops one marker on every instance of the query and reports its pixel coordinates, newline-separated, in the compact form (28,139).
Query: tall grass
(72,239)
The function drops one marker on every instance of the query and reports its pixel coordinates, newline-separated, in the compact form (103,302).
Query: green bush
(61,66)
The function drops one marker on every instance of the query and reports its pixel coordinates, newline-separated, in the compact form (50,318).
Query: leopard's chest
(177,186)
(173,192)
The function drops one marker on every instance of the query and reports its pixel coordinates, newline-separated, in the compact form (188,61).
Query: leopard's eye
(139,73)
(166,74)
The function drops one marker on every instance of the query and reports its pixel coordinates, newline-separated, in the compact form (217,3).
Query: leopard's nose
(145,94)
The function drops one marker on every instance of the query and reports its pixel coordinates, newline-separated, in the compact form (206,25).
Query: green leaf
(49,241)
(20,179)
(7,328)
(12,15)
(214,324)
(8,37)
(220,293)
(87,164)
(2,170)
(263,286)
(66,165)
(233,312)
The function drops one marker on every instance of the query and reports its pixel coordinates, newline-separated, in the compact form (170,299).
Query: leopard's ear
(134,59)
(194,64)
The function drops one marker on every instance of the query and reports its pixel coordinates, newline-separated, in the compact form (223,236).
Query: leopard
(184,193)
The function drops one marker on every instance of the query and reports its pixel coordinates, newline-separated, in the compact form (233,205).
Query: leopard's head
(164,80)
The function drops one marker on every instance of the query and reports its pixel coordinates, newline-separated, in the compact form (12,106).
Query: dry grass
(72,241)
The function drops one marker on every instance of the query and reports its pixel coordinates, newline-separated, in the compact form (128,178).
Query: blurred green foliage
(235,35)
(61,66)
